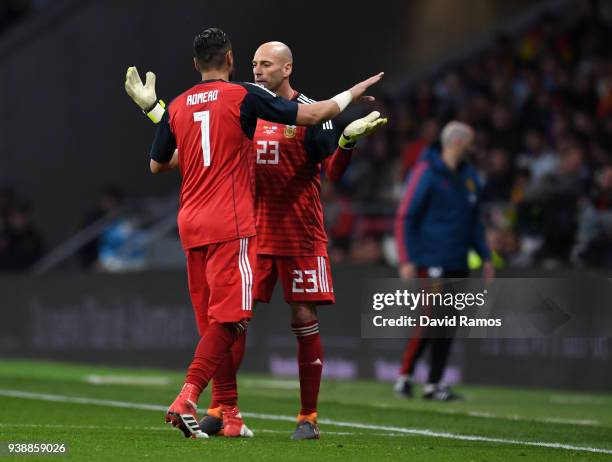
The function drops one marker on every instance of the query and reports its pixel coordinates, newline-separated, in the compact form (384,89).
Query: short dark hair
(210,47)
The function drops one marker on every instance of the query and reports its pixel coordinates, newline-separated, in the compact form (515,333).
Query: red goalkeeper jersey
(289,214)
(212,125)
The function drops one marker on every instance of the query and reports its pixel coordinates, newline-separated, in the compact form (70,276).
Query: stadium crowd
(541,105)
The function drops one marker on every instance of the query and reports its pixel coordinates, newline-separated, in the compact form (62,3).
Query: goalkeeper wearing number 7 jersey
(212,125)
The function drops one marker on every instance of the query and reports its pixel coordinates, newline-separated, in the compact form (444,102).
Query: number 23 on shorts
(309,281)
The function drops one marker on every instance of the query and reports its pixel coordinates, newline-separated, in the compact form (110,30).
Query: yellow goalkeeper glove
(359,128)
(144,95)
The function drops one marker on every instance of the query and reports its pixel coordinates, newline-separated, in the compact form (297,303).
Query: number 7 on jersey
(204,118)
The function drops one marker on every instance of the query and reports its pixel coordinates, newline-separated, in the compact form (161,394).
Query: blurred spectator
(21,245)
(557,196)
(538,157)
(368,238)
(499,177)
(109,202)
(367,250)
(594,238)
(503,244)
(122,246)
(502,131)
(411,151)
(423,101)
(339,218)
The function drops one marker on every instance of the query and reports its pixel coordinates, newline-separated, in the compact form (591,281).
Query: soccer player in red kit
(292,243)
(207,131)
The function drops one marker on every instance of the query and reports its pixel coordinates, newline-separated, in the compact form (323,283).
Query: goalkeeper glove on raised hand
(144,95)
(359,128)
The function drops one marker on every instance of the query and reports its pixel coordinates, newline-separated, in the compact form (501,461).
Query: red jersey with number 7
(212,125)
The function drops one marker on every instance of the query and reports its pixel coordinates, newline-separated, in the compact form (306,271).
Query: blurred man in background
(437,223)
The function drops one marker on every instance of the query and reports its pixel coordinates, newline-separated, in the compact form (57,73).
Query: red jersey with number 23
(289,215)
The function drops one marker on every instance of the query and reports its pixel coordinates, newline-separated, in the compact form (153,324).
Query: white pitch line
(78,400)
(516,418)
(335,423)
(578,399)
(126,380)
(585,422)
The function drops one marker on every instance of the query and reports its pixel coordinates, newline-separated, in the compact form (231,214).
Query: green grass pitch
(119,416)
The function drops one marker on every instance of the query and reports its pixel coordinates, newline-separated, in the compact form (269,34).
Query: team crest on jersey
(471,187)
(290,131)
(270,129)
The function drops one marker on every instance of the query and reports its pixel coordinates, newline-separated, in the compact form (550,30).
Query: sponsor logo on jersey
(270,129)
(290,131)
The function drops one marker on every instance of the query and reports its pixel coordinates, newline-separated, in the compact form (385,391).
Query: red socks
(310,363)
(224,387)
(410,355)
(212,349)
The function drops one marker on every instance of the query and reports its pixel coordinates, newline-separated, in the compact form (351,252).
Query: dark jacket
(438,220)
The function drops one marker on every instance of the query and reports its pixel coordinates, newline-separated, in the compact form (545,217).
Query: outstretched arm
(316,113)
(336,164)
(311,114)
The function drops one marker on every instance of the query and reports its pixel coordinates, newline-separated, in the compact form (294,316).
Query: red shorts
(304,279)
(221,281)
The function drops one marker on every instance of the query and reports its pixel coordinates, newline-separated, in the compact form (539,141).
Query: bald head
(272,66)
(277,50)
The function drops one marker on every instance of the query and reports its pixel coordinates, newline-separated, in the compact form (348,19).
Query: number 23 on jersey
(268,152)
